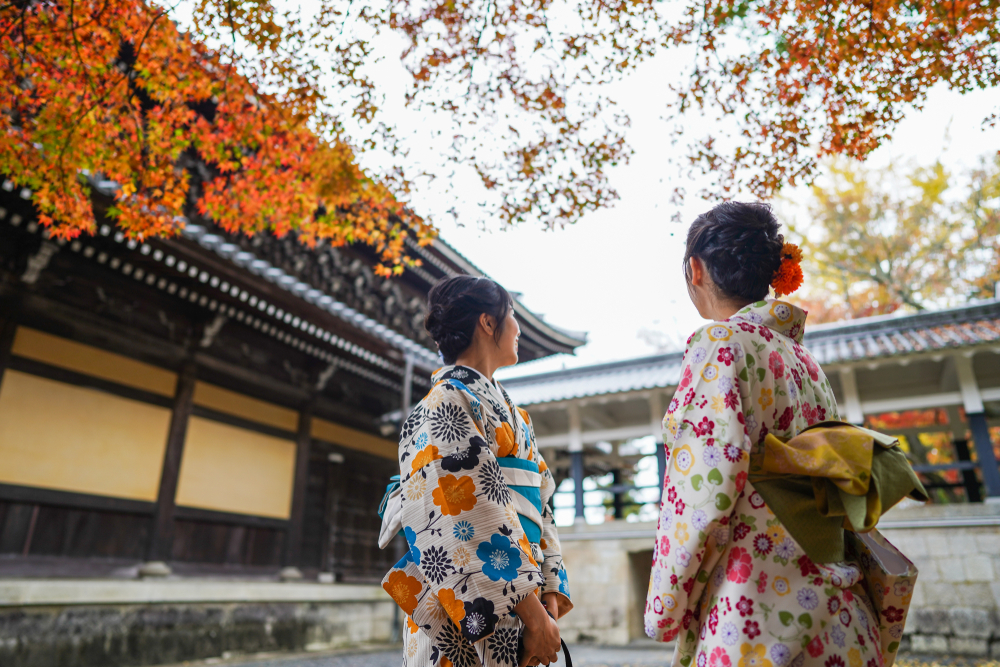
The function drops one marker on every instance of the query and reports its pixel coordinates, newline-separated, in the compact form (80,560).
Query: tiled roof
(843,342)
(662,370)
(888,336)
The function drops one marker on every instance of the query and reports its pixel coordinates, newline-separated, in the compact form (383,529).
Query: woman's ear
(487,324)
(696,271)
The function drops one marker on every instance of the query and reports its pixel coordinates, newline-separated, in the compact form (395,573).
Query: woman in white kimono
(484,560)
(729,583)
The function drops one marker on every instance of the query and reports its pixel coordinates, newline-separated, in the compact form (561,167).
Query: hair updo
(740,246)
(455,305)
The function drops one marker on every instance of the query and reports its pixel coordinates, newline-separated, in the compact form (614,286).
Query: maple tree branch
(76,45)
(81,116)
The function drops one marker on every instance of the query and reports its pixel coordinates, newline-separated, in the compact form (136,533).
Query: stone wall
(955,608)
(71,624)
(956,603)
(608,566)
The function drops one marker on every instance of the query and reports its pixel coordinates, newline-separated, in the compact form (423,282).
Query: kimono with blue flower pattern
(475,515)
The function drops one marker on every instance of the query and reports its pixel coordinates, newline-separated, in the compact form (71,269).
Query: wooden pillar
(987,457)
(161,541)
(7,332)
(407,399)
(576,458)
(963,454)
(656,424)
(618,500)
(972,400)
(852,402)
(293,538)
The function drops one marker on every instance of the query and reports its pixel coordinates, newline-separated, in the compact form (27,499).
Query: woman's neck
(479,362)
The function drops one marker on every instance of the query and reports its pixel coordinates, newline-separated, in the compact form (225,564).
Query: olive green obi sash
(832,477)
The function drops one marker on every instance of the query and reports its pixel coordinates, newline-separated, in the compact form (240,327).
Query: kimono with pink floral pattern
(729,583)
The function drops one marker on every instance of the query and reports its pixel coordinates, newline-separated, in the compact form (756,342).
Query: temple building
(209,407)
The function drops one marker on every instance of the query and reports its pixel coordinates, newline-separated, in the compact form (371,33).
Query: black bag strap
(569,658)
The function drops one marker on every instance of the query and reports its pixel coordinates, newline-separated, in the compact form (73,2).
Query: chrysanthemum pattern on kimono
(475,548)
(728,583)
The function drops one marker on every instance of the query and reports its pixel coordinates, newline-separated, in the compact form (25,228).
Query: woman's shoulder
(714,337)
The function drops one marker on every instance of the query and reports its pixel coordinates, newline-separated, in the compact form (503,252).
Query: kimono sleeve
(707,464)
(459,520)
(553,569)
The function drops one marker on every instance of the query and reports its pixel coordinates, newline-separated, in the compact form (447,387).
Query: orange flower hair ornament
(788,277)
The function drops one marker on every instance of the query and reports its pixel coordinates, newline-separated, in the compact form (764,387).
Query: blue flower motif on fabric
(563,582)
(411,539)
(464,531)
(500,559)
(420,441)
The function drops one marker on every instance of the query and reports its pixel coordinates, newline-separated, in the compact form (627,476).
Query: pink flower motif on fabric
(740,565)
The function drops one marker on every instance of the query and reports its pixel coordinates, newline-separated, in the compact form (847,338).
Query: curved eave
(559,341)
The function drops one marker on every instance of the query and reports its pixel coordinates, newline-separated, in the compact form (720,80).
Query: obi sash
(525,484)
(830,478)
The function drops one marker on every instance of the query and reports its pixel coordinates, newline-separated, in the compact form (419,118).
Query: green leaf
(806,620)
(690,637)
(761,373)
(686,661)
(703,577)
(750,361)
(715,477)
(744,376)
(893,647)
(696,482)
(722,502)
(785,617)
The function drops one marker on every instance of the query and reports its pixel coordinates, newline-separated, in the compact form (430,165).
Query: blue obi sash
(525,483)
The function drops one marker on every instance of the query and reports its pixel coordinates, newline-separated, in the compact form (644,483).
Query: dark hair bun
(455,305)
(741,247)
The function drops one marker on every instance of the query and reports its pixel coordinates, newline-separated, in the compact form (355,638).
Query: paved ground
(638,655)
(583,656)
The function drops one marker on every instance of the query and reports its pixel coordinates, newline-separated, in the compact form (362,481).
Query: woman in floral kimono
(484,556)
(729,583)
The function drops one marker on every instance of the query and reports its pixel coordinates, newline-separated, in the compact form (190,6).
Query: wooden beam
(33,495)
(67,376)
(303,442)
(181,513)
(161,540)
(576,439)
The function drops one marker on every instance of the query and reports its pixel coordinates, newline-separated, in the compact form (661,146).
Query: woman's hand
(551,603)
(541,634)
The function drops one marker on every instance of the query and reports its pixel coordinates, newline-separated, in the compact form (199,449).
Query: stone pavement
(637,655)
(634,655)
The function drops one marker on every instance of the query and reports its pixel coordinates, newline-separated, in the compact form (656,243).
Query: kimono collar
(477,383)
(779,316)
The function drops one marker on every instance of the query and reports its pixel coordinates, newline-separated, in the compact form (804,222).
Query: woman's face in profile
(508,340)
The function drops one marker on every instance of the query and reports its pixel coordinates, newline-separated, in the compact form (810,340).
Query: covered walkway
(932,378)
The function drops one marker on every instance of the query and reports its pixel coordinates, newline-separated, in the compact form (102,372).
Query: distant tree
(982,210)
(878,241)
